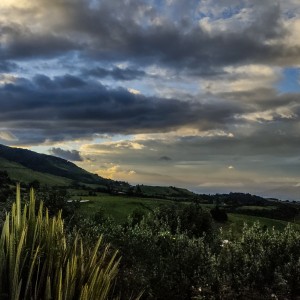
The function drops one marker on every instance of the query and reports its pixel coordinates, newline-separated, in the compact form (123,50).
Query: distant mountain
(26,166)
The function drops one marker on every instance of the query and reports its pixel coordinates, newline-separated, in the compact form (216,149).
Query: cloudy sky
(199,94)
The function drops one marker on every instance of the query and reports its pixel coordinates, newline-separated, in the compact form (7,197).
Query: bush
(219,215)
(162,261)
(260,263)
(172,265)
(190,219)
(5,191)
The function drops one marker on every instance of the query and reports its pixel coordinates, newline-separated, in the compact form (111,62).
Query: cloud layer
(139,90)
(68,107)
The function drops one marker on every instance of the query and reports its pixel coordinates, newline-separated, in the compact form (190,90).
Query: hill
(164,192)
(25,165)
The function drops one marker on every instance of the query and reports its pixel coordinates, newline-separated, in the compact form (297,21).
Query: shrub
(37,261)
(190,219)
(260,263)
(162,263)
(218,214)
(5,191)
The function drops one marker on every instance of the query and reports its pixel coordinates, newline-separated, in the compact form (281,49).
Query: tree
(35,184)
(218,214)
(5,191)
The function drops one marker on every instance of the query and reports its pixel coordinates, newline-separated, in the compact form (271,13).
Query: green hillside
(169,192)
(17,172)
(26,166)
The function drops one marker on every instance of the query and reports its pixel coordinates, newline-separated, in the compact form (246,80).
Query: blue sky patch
(291,81)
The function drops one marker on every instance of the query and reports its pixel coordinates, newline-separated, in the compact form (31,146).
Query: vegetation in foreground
(170,249)
(178,253)
(38,260)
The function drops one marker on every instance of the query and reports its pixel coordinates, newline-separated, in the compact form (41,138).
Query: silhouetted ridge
(48,164)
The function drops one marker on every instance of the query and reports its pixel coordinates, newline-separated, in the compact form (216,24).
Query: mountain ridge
(18,158)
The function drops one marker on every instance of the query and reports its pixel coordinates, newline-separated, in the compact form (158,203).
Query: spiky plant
(37,261)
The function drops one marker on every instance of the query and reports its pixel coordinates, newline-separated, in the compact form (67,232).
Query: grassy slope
(119,207)
(236,222)
(166,191)
(48,164)
(253,207)
(21,173)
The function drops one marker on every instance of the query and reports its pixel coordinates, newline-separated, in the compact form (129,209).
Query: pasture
(120,207)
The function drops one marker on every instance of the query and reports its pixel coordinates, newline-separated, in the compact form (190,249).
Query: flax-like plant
(37,261)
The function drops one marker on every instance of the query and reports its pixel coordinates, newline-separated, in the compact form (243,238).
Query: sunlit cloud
(133,91)
(112,171)
(7,136)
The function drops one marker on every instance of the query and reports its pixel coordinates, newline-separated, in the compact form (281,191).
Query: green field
(119,207)
(255,207)
(236,223)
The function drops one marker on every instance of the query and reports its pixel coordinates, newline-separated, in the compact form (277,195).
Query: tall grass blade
(38,261)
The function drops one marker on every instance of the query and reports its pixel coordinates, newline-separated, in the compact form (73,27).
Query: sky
(197,94)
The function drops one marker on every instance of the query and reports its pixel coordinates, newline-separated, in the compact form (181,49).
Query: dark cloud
(62,82)
(119,36)
(115,73)
(67,107)
(7,66)
(22,43)
(72,155)
(165,158)
(270,142)
(261,99)
(148,34)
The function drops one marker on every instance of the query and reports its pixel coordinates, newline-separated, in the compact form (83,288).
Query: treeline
(285,212)
(235,199)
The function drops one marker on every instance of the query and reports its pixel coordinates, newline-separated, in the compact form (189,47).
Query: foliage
(5,191)
(101,216)
(283,211)
(236,222)
(162,192)
(164,263)
(137,216)
(37,261)
(173,252)
(170,264)
(191,219)
(219,214)
(235,199)
(56,200)
(259,263)
(35,184)
(119,207)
